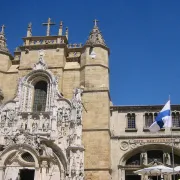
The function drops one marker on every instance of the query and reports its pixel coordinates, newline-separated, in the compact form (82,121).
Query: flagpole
(172,141)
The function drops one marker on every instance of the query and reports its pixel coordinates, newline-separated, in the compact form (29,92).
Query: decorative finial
(95,22)
(2,29)
(66,33)
(30,25)
(48,24)
(60,28)
(61,24)
(29,30)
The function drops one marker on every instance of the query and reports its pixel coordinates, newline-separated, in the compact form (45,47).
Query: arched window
(131,122)
(148,120)
(176,119)
(40,95)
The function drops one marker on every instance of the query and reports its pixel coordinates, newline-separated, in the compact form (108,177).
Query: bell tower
(95,79)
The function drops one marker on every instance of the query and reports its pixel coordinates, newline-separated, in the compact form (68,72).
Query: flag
(163,119)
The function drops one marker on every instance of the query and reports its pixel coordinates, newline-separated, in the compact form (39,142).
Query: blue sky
(143,37)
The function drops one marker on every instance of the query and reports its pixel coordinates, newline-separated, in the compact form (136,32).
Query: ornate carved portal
(48,142)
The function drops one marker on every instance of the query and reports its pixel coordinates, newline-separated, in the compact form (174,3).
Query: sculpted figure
(47,151)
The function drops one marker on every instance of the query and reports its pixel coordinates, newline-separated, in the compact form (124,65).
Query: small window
(131,124)
(27,157)
(40,95)
(148,119)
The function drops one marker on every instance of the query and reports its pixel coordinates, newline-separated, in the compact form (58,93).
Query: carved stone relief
(61,123)
(132,144)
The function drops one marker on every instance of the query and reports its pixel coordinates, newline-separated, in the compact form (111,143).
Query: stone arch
(35,76)
(147,147)
(19,148)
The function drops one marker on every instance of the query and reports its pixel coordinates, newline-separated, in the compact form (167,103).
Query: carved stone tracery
(61,123)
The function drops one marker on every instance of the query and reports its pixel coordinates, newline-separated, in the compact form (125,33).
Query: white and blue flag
(163,119)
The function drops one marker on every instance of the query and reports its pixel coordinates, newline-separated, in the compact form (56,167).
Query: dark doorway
(26,174)
(155,178)
(131,176)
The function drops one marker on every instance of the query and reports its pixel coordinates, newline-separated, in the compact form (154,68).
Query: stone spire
(95,36)
(3,45)
(29,30)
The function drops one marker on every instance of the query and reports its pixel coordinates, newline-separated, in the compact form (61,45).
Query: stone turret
(94,77)
(95,56)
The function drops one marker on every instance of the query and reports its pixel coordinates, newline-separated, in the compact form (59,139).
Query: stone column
(44,168)
(37,173)
(29,122)
(2,169)
(121,174)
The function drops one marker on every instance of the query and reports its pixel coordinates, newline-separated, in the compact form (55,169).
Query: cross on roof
(2,29)
(95,22)
(48,24)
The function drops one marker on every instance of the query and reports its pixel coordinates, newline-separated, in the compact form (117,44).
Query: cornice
(144,136)
(149,108)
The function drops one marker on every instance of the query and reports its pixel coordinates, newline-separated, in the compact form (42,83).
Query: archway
(146,156)
(21,161)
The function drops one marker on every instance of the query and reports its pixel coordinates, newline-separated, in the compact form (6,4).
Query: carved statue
(60,114)
(47,151)
(144,158)
(77,105)
(45,125)
(166,158)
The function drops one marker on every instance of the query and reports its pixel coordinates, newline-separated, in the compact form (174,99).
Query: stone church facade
(49,131)
(57,121)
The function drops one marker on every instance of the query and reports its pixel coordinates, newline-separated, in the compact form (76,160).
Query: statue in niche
(60,114)
(77,105)
(143,158)
(46,125)
(34,126)
(46,151)
(166,158)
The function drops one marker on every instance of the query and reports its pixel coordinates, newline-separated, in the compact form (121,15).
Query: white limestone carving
(59,126)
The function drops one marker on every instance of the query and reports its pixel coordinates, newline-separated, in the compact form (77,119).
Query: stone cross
(48,24)
(95,22)
(2,29)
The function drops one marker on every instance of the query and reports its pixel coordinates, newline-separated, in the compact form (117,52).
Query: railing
(75,45)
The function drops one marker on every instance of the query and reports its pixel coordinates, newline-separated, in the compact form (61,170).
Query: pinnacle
(95,36)
(3,45)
